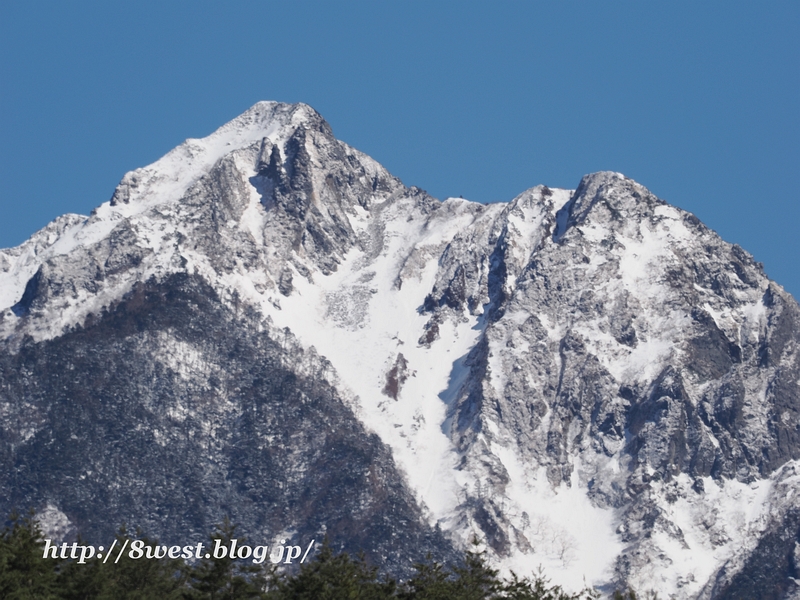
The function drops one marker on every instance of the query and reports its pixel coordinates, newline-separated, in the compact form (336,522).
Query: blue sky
(700,102)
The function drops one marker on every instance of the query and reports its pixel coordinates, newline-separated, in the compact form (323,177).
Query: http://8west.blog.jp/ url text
(139,549)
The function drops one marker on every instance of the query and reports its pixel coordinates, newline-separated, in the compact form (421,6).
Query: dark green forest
(26,575)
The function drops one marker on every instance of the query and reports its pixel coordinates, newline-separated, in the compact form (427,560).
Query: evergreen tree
(476,580)
(538,588)
(226,578)
(430,582)
(332,577)
(24,573)
(124,578)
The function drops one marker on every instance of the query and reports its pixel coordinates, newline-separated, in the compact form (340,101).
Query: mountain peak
(605,196)
(170,176)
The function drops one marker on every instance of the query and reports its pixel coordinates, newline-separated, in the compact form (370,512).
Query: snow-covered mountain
(267,324)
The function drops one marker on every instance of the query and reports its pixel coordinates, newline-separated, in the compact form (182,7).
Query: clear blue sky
(699,101)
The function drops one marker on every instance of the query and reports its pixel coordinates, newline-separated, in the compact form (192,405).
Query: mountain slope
(266,323)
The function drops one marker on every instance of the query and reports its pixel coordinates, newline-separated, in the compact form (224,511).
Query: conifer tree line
(26,575)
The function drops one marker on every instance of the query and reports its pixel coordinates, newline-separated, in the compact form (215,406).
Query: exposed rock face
(267,324)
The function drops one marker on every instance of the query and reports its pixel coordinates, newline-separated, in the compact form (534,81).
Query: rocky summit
(267,325)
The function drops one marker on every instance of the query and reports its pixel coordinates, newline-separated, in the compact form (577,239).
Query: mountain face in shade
(266,324)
